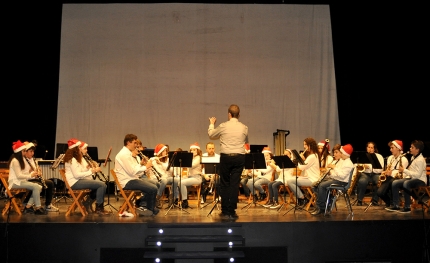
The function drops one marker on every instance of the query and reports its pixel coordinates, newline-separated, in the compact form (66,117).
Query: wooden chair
(77,196)
(129,196)
(291,199)
(421,191)
(197,189)
(13,203)
(310,195)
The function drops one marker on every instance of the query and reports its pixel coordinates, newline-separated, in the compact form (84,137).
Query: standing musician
(263,176)
(387,177)
(338,173)
(310,171)
(194,173)
(414,176)
(127,171)
(79,176)
(48,185)
(18,178)
(274,185)
(369,174)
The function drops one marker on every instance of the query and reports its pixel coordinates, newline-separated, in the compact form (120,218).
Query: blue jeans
(362,183)
(321,191)
(98,189)
(406,185)
(35,188)
(273,190)
(149,189)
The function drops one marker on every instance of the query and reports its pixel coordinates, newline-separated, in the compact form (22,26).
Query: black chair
(340,190)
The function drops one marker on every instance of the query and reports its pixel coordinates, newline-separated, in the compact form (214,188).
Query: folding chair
(13,203)
(310,195)
(77,196)
(340,190)
(129,197)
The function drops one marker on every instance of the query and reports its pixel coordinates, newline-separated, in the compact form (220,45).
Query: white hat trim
(161,150)
(343,151)
(19,149)
(397,145)
(74,145)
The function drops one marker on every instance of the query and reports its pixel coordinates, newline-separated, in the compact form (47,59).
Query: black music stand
(285,162)
(107,162)
(211,167)
(365,157)
(254,161)
(180,159)
(299,160)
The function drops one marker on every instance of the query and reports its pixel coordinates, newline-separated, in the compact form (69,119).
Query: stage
(200,235)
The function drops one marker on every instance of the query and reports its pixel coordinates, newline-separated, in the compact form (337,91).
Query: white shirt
(126,167)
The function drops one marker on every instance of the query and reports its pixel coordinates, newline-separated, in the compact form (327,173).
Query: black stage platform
(259,235)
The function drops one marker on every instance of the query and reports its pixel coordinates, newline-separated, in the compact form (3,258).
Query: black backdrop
(379,58)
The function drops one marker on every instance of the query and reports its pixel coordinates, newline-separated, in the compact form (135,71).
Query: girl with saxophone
(18,178)
(338,173)
(369,174)
(387,177)
(324,155)
(79,176)
(31,166)
(310,170)
(414,176)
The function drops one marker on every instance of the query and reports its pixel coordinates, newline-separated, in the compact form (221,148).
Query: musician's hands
(401,169)
(212,120)
(148,164)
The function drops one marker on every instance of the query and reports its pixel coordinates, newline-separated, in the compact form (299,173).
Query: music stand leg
(179,195)
(108,191)
(216,196)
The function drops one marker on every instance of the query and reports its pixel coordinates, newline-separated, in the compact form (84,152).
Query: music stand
(365,157)
(286,163)
(254,161)
(212,168)
(299,160)
(107,162)
(179,159)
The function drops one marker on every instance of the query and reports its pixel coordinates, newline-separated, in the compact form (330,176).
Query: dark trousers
(230,173)
(384,191)
(148,189)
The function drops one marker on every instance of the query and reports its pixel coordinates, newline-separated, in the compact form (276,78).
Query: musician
(338,173)
(30,166)
(233,135)
(273,186)
(394,161)
(414,176)
(324,155)
(149,174)
(310,171)
(208,180)
(194,173)
(127,171)
(263,176)
(160,166)
(79,176)
(18,178)
(369,175)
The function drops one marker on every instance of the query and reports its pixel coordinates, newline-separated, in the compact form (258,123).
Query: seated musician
(413,176)
(79,176)
(263,176)
(161,158)
(338,173)
(387,177)
(209,181)
(310,171)
(324,156)
(273,186)
(48,185)
(18,178)
(127,171)
(194,174)
(369,175)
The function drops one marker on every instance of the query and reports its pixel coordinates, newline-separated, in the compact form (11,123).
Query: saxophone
(383,175)
(400,174)
(359,168)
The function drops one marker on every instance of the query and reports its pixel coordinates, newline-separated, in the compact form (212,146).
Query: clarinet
(94,165)
(317,183)
(38,173)
(152,169)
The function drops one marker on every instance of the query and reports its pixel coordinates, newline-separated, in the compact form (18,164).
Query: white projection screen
(161,70)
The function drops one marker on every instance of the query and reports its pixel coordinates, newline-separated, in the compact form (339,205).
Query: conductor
(233,135)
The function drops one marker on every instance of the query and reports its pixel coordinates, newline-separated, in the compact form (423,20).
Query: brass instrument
(383,175)
(152,170)
(38,173)
(354,179)
(94,164)
(400,174)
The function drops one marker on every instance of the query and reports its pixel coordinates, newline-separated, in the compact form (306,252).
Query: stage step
(195,255)
(236,239)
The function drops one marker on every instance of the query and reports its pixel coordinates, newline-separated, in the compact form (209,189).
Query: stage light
(160,231)
(159,243)
(230,243)
(231,259)
(157,260)
(229,231)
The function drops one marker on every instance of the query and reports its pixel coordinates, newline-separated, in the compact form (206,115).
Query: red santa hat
(83,145)
(247,147)
(266,150)
(398,144)
(72,143)
(322,143)
(346,149)
(18,146)
(159,149)
(195,146)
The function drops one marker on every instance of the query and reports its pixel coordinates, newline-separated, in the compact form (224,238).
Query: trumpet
(94,164)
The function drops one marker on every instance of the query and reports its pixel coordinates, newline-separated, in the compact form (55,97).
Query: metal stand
(257,161)
(216,196)
(108,186)
(177,161)
(286,163)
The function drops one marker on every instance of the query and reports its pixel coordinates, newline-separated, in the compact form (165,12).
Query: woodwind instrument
(383,175)
(358,169)
(38,173)
(324,175)
(399,175)
(152,169)
(94,164)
